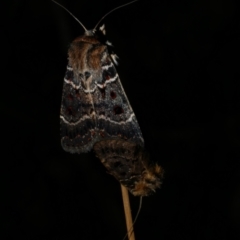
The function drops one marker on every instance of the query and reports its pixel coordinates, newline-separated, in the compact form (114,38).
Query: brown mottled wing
(116,118)
(78,117)
(94,104)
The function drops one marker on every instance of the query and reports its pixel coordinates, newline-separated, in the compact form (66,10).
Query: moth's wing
(129,164)
(115,117)
(76,119)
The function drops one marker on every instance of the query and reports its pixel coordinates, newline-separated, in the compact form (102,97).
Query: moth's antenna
(129,233)
(71,15)
(111,12)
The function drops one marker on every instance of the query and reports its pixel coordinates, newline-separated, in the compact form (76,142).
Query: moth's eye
(113,95)
(117,110)
(87,75)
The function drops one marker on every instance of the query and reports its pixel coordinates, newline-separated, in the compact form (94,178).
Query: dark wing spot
(87,75)
(77,92)
(103,92)
(113,95)
(117,110)
(69,75)
(70,97)
(106,76)
(69,111)
(80,75)
(109,73)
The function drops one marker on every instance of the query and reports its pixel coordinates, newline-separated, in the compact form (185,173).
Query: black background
(179,65)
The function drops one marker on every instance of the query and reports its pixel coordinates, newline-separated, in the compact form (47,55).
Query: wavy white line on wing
(106,67)
(79,86)
(119,123)
(75,123)
(108,81)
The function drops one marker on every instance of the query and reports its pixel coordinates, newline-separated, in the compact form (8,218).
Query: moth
(96,114)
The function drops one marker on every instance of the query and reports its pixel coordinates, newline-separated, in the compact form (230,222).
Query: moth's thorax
(88,39)
(86,52)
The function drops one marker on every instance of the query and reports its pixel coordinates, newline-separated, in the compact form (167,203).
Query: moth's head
(99,34)
(100,31)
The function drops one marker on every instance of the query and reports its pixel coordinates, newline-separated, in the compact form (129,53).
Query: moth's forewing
(94,104)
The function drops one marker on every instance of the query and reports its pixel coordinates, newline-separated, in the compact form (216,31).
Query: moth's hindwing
(94,104)
(129,164)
